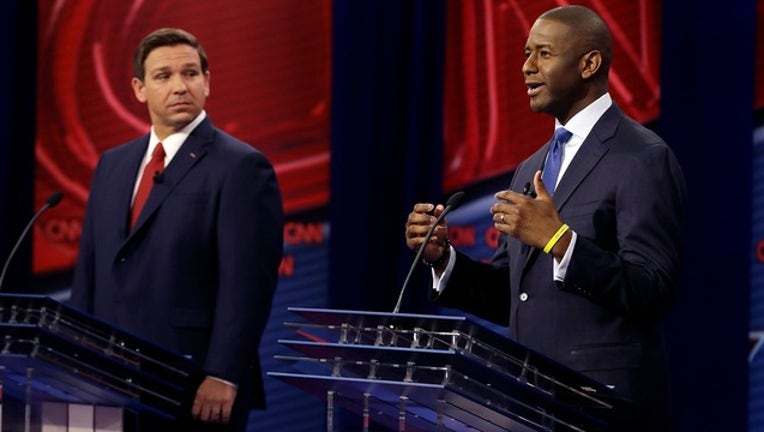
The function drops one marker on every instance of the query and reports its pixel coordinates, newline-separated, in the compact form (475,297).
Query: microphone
(52,201)
(452,203)
(528,190)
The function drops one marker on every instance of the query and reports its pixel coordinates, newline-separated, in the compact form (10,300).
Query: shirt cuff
(559,269)
(223,381)
(439,282)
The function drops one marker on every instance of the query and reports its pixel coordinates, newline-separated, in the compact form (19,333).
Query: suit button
(523,297)
(122,259)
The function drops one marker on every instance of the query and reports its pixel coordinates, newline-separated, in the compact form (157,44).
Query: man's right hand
(419,222)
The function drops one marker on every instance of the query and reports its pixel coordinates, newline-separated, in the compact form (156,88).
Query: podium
(426,373)
(54,355)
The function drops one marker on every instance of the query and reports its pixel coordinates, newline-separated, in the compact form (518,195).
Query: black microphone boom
(52,201)
(453,202)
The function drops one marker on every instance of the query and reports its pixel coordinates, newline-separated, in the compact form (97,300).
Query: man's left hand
(532,221)
(214,401)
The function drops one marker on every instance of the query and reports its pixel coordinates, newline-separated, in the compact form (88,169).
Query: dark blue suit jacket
(198,272)
(624,196)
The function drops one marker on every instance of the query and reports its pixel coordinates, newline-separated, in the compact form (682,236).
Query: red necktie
(154,168)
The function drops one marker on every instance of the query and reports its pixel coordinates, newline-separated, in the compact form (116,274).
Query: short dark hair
(590,28)
(165,37)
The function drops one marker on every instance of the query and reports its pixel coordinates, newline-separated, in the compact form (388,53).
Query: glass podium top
(447,368)
(51,351)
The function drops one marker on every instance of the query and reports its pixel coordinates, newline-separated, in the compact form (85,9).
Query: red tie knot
(158,152)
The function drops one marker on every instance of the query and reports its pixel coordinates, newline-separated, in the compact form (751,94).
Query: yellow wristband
(556,237)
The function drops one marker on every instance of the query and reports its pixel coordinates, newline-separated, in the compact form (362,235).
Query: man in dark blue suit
(187,258)
(588,264)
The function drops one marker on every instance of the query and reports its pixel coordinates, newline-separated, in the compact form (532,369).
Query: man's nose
(178,84)
(529,65)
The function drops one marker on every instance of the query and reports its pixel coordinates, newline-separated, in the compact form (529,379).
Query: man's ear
(590,63)
(207,83)
(138,89)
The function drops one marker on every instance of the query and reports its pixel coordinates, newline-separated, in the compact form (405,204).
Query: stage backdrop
(489,128)
(271,77)
(756,357)
(270,86)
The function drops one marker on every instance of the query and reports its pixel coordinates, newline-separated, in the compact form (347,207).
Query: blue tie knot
(561,136)
(554,159)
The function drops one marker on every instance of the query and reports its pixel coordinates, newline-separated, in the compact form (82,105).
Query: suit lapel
(592,150)
(127,180)
(189,154)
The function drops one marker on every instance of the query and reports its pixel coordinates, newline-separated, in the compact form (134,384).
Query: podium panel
(55,353)
(429,372)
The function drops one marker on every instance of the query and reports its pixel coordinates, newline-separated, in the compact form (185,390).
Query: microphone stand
(451,204)
(52,201)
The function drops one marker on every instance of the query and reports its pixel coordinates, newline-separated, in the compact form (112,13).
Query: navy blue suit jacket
(198,271)
(624,196)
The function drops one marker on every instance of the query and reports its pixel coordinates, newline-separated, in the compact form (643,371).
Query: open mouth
(533,88)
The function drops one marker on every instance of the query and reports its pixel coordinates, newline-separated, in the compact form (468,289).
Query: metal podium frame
(54,353)
(429,372)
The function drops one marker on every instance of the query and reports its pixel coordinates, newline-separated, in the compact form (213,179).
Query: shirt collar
(172,143)
(583,122)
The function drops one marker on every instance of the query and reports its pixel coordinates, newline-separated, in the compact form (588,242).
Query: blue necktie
(554,159)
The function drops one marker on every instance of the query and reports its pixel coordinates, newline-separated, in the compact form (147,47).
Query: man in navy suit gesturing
(588,264)
(183,235)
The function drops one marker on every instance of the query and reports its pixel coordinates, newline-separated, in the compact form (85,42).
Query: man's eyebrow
(159,69)
(185,66)
(537,46)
